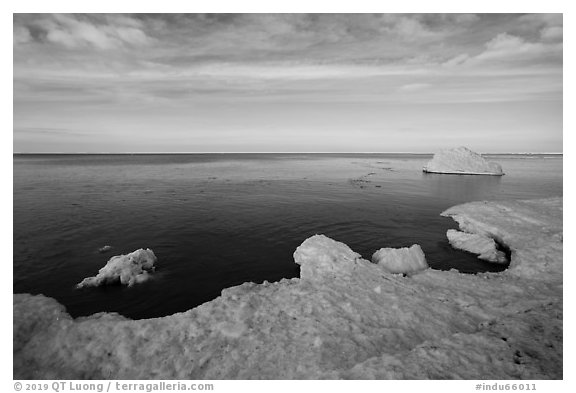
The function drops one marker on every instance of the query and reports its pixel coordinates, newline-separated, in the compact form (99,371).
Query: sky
(287,82)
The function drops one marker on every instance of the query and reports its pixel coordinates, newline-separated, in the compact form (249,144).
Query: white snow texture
(401,260)
(129,269)
(483,246)
(462,161)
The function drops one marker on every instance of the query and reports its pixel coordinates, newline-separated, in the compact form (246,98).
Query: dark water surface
(218,220)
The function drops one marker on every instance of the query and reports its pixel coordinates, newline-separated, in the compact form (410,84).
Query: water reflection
(462,187)
(215,223)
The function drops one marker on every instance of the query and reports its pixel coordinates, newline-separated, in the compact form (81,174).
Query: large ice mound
(320,257)
(401,260)
(129,269)
(462,161)
(483,246)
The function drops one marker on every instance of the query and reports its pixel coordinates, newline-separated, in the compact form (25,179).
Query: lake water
(218,220)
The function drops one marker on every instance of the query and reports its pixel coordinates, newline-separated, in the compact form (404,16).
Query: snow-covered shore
(344,318)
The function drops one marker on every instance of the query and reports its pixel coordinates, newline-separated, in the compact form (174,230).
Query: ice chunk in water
(129,269)
(462,161)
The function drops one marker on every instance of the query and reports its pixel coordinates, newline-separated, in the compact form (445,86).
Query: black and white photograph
(288,196)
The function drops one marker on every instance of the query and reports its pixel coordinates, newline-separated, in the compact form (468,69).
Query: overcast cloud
(289,82)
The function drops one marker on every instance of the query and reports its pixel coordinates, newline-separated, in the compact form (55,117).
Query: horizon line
(279,152)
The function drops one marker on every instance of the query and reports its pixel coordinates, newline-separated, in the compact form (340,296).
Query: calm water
(218,220)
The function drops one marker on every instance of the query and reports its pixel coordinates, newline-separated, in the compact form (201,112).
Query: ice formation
(129,269)
(482,245)
(344,318)
(104,249)
(462,161)
(401,260)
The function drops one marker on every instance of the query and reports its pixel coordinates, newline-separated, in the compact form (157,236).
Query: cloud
(505,46)
(21,35)
(457,60)
(406,27)
(514,50)
(414,87)
(117,75)
(46,131)
(168,58)
(78,32)
(465,19)
(540,20)
(249,35)
(530,26)
(186,41)
(283,71)
(552,34)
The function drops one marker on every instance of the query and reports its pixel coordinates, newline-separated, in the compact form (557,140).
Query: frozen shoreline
(344,318)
